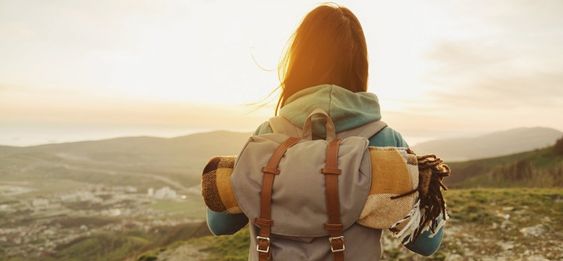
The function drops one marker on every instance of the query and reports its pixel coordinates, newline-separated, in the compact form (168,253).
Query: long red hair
(328,47)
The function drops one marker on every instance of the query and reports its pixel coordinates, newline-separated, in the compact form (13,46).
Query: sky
(77,70)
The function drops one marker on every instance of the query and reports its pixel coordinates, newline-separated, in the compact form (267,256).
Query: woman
(326,66)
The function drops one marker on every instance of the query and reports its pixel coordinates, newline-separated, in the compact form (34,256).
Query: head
(328,47)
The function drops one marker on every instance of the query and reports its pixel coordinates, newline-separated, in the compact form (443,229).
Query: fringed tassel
(430,205)
(409,230)
(436,226)
(415,225)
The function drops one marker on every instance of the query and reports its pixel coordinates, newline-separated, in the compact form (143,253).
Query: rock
(503,216)
(453,257)
(537,258)
(496,258)
(183,252)
(534,231)
(506,245)
(505,225)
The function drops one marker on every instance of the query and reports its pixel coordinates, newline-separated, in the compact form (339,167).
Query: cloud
(509,55)
(464,57)
(482,76)
(480,86)
(486,66)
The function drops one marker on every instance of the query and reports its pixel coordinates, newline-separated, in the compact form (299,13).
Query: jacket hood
(346,108)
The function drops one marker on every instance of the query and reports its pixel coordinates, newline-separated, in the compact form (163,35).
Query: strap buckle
(258,238)
(332,248)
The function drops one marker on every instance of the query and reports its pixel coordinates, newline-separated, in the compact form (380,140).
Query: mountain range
(177,162)
(490,145)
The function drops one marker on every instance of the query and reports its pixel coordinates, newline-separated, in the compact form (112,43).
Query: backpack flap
(298,206)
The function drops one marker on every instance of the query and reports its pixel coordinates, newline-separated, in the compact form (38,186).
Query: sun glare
(423,56)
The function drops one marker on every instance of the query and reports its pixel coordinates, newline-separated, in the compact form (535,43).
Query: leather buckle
(270,171)
(258,238)
(341,238)
(331,171)
(263,222)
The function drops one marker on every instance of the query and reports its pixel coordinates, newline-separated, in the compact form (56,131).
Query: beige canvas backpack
(303,197)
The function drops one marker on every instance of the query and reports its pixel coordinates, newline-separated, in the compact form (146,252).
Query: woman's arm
(222,223)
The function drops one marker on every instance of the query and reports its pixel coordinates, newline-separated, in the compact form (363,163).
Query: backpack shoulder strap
(367,130)
(280,124)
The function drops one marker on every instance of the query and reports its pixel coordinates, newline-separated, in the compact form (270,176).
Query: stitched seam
(330,102)
(329,110)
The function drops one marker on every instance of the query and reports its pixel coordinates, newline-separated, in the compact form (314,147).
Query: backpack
(304,196)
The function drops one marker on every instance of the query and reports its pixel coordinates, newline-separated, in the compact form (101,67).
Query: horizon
(196,132)
(77,71)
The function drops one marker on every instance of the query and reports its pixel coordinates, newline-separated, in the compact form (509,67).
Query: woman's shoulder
(388,137)
(264,128)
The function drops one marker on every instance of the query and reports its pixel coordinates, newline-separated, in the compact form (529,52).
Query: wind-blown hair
(328,47)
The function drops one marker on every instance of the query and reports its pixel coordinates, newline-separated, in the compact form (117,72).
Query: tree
(558,148)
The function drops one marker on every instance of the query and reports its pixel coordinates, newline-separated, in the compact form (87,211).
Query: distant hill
(139,161)
(491,145)
(537,168)
(177,162)
(4,149)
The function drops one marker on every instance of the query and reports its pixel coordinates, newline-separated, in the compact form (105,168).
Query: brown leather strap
(334,225)
(264,222)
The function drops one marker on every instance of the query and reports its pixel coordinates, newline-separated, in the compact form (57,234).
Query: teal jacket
(348,110)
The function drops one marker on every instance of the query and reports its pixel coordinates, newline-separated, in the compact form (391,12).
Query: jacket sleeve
(424,244)
(222,223)
(388,137)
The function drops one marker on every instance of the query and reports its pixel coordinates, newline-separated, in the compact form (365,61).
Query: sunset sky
(75,70)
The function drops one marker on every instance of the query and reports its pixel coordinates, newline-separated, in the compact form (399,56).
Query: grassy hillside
(119,246)
(507,224)
(538,168)
(137,161)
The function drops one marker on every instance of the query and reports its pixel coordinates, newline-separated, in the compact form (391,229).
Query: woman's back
(326,67)
(348,110)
